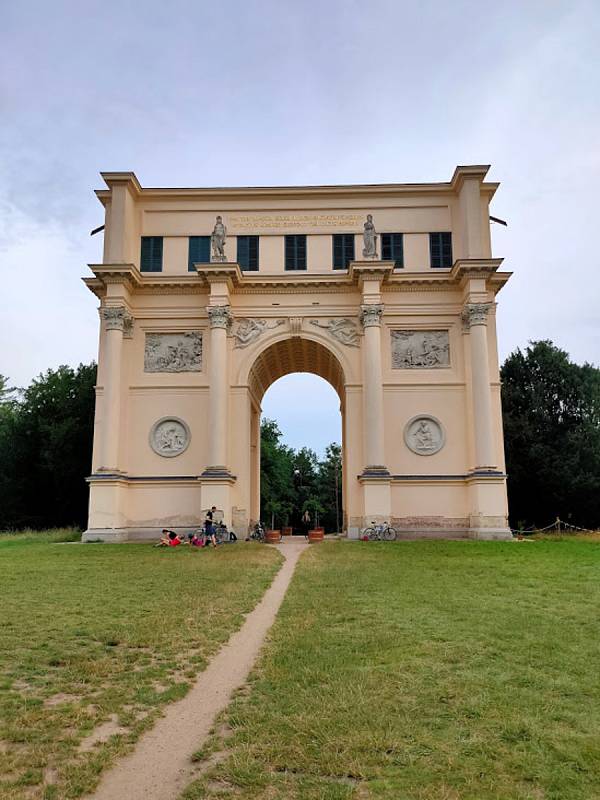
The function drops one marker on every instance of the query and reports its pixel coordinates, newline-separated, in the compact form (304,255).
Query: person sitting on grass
(198,539)
(168,539)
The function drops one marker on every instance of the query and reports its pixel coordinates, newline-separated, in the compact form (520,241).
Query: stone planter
(286,531)
(316,535)
(272,537)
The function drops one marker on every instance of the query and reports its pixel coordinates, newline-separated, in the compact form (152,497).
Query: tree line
(551,416)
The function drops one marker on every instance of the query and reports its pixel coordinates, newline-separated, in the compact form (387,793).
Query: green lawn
(423,671)
(95,638)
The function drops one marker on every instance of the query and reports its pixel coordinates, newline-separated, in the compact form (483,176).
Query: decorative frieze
(248,330)
(371,315)
(475,314)
(420,349)
(117,318)
(342,329)
(169,437)
(219,316)
(173,352)
(424,435)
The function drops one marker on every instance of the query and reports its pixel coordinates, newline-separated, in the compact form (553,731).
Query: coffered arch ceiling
(295,355)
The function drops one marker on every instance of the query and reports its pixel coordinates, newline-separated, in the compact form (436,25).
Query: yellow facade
(186,354)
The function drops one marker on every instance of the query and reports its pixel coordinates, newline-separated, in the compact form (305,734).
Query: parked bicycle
(379,533)
(257,534)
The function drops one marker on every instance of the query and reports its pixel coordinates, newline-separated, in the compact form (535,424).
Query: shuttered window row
(392,249)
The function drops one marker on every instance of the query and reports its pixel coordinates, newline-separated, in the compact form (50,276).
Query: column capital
(371,315)
(117,318)
(475,314)
(219,316)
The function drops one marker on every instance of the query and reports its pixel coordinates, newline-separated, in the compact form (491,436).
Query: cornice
(451,187)
(342,281)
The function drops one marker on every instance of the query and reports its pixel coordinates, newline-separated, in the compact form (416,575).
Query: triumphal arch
(207,296)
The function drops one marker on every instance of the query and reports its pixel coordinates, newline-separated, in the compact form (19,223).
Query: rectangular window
(247,253)
(392,248)
(295,252)
(152,254)
(440,249)
(343,250)
(198,251)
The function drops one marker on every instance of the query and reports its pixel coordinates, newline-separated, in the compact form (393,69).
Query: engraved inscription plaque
(173,352)
(420,349)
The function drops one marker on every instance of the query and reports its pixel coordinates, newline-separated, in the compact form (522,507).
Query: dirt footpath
(160,767)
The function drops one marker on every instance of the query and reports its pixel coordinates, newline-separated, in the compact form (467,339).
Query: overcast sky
(249,93)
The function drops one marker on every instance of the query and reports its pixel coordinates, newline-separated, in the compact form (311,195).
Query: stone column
(218,375)
(117,321)
(475,318)
(373,388)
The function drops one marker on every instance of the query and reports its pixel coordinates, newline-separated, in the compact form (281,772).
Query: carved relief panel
(169,436)
(424,435)
(173,352)
(420,349)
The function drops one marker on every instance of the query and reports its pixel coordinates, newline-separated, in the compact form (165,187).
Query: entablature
(238,281)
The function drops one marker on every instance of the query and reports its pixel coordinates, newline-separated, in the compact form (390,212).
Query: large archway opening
(306,478)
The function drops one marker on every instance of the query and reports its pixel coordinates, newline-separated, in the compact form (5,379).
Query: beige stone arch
(282,355)
(407,335)
(246,357)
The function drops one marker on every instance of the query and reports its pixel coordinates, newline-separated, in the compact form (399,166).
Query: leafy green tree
(276,468)
(46,450)
(6,392)
(551,413)
(294,481)
(330,488)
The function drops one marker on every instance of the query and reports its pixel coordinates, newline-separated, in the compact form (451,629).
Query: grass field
(423,671)
(95,638)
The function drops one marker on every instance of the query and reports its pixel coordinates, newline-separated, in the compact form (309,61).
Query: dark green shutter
(392,248)
(247,252)
(295,252)
(343,250)
(151,254)
(198,251)
(440,249)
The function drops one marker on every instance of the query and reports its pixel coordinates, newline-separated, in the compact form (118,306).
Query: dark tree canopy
(46,450)
(551,413)
(295,481)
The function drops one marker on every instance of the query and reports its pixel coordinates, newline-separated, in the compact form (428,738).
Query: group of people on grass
(205,537)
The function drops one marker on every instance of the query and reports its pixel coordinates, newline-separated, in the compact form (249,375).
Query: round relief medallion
(424,435)
(169,436)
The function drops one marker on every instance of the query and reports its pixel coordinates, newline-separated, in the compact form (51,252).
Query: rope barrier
(558,526)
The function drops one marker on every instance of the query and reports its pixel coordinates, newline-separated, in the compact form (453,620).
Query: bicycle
(258,533)
(380,533)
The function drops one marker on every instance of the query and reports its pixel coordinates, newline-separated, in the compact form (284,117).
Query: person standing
(306,523)
(209,525)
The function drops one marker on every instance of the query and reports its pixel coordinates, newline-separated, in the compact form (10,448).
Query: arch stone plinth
(404,342)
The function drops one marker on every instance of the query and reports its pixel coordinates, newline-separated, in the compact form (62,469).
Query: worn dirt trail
(160,767)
